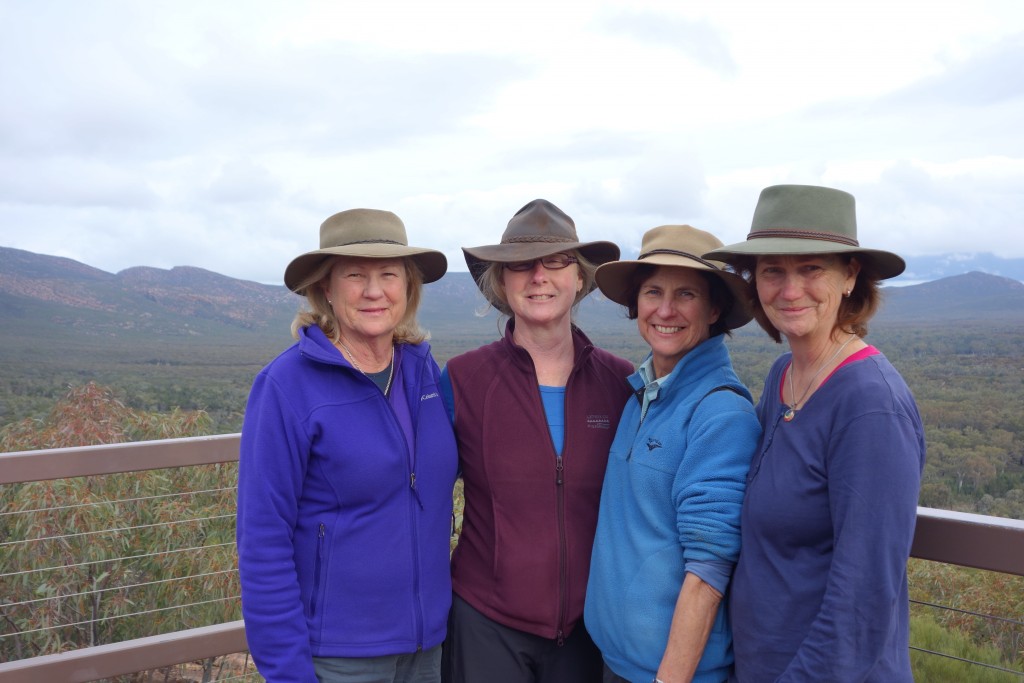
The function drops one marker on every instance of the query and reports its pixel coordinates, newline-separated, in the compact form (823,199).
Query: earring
(847,293)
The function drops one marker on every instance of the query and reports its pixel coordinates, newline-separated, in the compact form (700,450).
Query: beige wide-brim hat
(677,246)
(807,219)
(538,229)
(366,233)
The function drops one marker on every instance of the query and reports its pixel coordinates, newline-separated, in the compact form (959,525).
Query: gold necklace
(355,363)
(793,407)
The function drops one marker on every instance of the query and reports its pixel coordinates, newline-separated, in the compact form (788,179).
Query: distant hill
(46,295)
(51,296)
(928,268)
(970,296)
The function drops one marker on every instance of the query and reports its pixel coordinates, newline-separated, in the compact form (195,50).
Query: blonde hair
(493,288)
(321,314)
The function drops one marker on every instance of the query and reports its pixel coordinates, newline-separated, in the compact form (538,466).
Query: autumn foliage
(102,559)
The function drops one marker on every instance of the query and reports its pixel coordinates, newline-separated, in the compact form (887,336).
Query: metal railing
(963,539)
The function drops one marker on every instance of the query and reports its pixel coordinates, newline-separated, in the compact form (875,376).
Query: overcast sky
(220,134)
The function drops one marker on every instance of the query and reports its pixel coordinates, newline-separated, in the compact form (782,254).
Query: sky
(220,134)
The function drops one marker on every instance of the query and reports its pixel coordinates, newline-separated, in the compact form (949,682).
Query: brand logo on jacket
(598,422)
(424,397)
(652,444)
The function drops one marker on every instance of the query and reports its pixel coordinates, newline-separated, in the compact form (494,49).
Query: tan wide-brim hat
(807,219)
(366,233)
(677,246)
(538,229)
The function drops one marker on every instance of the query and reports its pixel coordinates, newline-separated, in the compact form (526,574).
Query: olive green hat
(365,233)
(678,246)
(806,219)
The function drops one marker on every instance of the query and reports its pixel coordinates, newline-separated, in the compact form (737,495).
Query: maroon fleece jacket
(524,555)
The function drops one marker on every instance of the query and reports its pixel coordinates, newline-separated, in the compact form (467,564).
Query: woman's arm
(708,495)
(272,466)
(692,620)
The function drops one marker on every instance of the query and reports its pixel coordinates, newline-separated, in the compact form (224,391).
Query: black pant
(480,650)
(612,677)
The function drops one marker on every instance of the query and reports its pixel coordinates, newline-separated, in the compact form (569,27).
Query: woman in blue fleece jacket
(346,471)
(668,530)
(820,591)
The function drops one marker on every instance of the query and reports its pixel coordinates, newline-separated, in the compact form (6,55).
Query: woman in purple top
(820,590)
(346,470)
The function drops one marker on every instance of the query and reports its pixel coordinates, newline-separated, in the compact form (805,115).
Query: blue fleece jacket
(670,505)
(343,530)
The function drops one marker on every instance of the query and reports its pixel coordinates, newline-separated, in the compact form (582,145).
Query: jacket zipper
(415,540)
(414,526)
(563,544)
(563,552)
(316,570)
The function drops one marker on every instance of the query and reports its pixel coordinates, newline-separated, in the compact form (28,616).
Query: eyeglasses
(553,262)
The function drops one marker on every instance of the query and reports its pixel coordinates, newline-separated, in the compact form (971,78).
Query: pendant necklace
(355,363)
(793,407)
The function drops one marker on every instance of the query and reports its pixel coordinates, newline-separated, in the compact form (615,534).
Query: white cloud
(194,133)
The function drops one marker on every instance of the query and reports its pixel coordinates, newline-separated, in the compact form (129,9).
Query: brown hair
(493,288)
(320,313)
(718,292)
(854,311)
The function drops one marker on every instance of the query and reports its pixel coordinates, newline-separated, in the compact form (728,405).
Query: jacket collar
(315,345)
(582,347)
(702,360)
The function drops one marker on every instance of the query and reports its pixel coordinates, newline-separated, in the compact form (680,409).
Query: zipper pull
(558,470)
(412,485)
(561,639)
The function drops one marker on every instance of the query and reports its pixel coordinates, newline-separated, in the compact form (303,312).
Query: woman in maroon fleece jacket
(534,415)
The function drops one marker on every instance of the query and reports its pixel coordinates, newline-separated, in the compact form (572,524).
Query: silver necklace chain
(355,363)
(795,405)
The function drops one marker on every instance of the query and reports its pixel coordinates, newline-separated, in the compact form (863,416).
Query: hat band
(684,254)
(803,235)
(537,238)
(401,244)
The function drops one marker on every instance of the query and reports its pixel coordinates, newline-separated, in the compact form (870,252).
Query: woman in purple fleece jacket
(346,471)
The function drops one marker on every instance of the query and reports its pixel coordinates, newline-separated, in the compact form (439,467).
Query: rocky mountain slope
(49,295)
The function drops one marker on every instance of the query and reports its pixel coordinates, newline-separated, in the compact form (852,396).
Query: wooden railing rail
(968,540)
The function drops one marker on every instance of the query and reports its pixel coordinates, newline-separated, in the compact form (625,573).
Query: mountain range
(50,295)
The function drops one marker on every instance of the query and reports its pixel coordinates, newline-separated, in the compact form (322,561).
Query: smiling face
(540,296)
(368,296)
(674,314)
(801,294)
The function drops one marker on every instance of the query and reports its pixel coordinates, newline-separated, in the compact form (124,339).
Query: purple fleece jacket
(342,552)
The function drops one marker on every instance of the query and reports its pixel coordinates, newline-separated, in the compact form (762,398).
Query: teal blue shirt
(552,398)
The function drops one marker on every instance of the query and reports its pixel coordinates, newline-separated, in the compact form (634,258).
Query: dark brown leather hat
(538,229)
